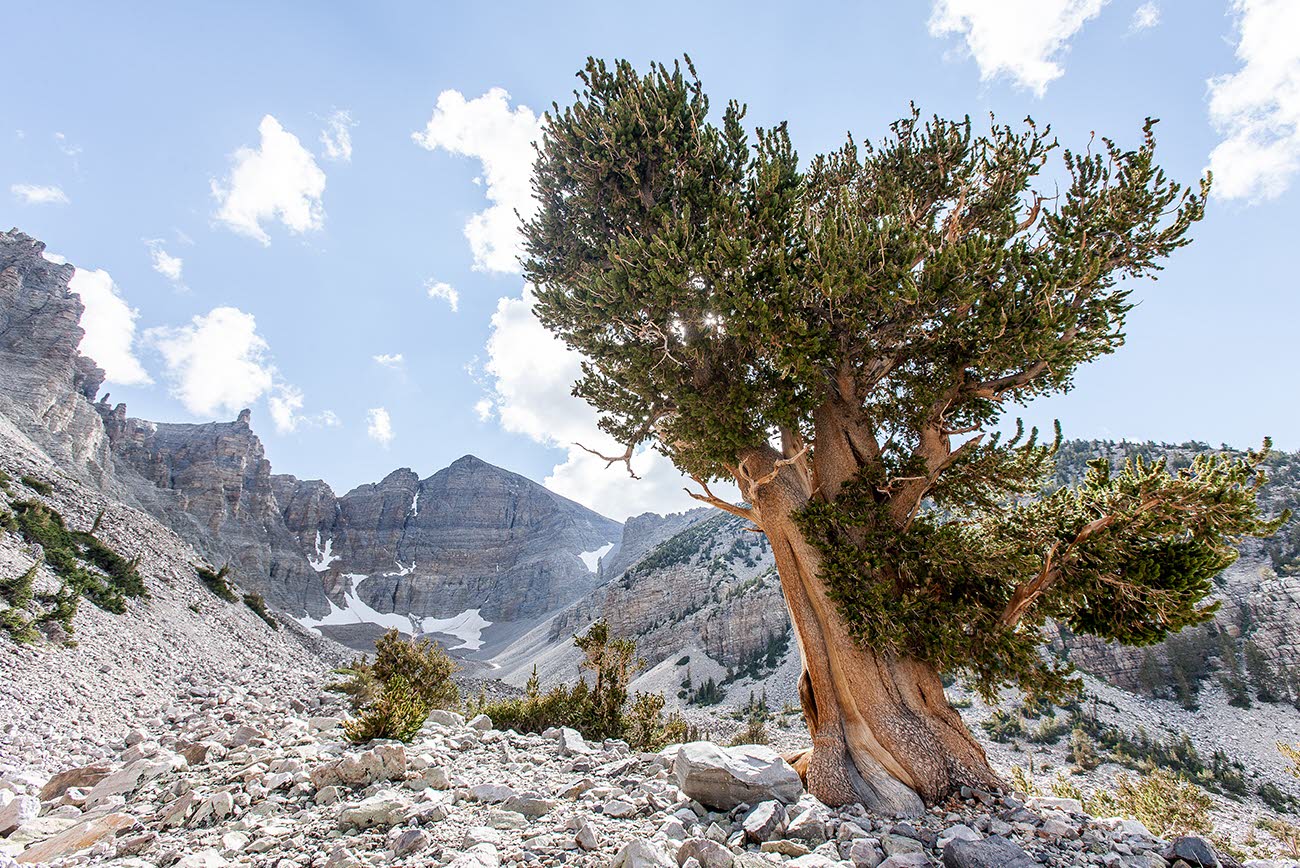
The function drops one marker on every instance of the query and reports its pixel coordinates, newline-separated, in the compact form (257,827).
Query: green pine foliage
(217,582)
(44,489)
(421,664)
(599,710)
(87,566)
(894,295)
(258,605)
(398,713)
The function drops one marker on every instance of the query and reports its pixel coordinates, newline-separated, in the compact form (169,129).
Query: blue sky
(195,133)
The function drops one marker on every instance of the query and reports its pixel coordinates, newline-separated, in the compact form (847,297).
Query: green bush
(4,481)
(755,731)
(1277,799)
(258,605)
(68,552)
(599,710)
(398,712)
(1167,804)
(217,583)
(17,625)
(1082,751)
(17,591)
(44,489)
(1004,726)
(422,665)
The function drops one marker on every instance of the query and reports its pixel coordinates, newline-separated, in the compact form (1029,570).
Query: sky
(308,208)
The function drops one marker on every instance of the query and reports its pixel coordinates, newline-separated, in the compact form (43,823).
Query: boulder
(709,853)
(993,852)
(722,778)
(481,722)
(442,717)
(384,809)
(764,821)
(572,743)
(1194,851)
(640,853)
(19,811)
(386,762)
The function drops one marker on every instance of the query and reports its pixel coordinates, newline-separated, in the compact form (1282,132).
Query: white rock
(481,722)
(722,778)
(640,853)
(383,809)
(18,812)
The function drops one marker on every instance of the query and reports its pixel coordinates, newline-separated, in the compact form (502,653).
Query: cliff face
(213,479)
(472,536)
(47,385)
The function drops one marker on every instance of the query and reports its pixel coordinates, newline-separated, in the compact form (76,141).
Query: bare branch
(626,458)
(713,500)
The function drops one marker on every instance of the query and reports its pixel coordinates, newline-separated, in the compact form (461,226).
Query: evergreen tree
(841,339)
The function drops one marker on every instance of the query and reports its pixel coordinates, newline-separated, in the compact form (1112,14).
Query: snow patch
(324,556)
(592,558)
(402,570)
(415,504)
(468,627)
(356,611)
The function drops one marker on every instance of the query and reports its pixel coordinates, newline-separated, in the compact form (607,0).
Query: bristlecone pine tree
(842,340)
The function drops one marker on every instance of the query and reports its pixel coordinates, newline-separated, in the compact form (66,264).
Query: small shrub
(755,731)
(598,711)
(17,625)
(1277,799)
(398,713)
(1003,726)
(17,591)
(1082,751)
(8,522)
(258,605)
(1293,755)
(44,489)
(1049,730)
(1287,835)
(1168,805)
(217,583)
(4,481)
(67,552)
(422,664)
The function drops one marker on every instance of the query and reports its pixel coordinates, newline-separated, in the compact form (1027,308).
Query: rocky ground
(248,773)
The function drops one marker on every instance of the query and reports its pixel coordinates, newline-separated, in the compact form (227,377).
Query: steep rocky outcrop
(46,384)
(214,482)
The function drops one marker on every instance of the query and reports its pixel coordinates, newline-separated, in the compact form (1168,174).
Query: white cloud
(444,291)
(164,263)
(279,180)
(389,360)
(109,326)
(286,403)
(379,426)
(336,138)
(487,129)
(36,194)
(1022,39)
(1145,17)
(532,374)
(1257,108)
(216,363)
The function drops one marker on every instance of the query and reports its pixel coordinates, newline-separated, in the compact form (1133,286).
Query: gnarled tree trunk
(883,733)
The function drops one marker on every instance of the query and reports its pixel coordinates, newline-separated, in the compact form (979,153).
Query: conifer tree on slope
(842,340)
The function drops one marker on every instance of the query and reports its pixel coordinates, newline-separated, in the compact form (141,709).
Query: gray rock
(992,852)
(386,762)
(442,717)
(383,809)
(410,841)
(640,853)
(709,853)
(764,821)
(1193,850)
(481,722)
(722,778)
(587,837)
(865,854)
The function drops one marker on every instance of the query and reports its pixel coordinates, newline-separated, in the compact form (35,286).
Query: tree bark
(883,732)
